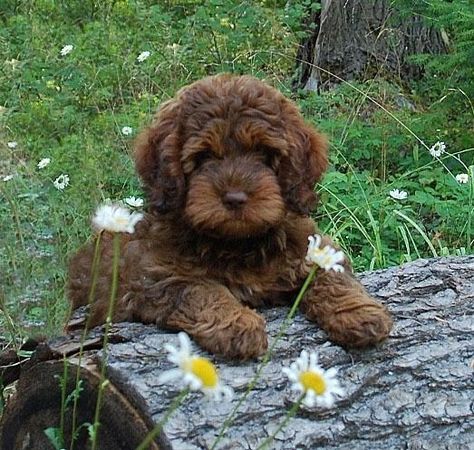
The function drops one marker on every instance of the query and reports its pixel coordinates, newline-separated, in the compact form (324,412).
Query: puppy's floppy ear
(303,167)
(157,159)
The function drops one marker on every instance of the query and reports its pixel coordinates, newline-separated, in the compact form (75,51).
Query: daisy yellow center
(204,370)
(326,260)
(314,381)
(321,257)
(317,253)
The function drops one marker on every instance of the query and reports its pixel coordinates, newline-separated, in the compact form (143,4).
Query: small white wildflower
(319,386)
(437,149)
(462,178)
(13,63)
(134,202)
(327,258)
(398,195)
(143,55)
(175,47)
(61,182)
(226,23)
(43,163)
(195,372)
(66,49)
(127,131)
(7,178)
(12,144)
(115,218)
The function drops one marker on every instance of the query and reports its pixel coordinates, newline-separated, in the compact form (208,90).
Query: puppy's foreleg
(206,311)
(343,308)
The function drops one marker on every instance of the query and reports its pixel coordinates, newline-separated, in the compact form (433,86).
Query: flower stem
(283,424)
(267,355)
(113,293)
(63,396)
(150,437)
(95,275)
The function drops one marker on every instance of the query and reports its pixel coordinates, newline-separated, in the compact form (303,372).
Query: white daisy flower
(134,202)
(13,63)
(319,386)
(7,178)
(12,144)
(61,182)
(127,131)
(194,372)
(398,195)
(437,149)
(327,258)
(115,218)
(175,47)
(462,178)
(143,55)
(43,163)
(66,50)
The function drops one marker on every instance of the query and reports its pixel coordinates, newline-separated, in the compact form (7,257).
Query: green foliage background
(72,108)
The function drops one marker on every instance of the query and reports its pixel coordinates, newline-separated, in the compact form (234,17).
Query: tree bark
(415,391)
(358,39)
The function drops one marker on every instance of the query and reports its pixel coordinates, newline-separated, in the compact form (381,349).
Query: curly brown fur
(229,167)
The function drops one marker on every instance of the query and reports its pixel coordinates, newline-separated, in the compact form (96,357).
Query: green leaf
(55,436)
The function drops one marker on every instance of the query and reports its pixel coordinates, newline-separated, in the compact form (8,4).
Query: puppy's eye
(201,157)
(269,156)
(271,159)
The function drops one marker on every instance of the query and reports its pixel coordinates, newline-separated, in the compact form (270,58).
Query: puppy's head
(232,155)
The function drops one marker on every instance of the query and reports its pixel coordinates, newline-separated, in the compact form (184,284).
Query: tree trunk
(415,391)
(359,39)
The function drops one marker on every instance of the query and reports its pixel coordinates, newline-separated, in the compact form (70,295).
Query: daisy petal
(169,375)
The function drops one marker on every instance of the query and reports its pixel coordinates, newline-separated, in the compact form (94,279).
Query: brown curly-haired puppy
(229,166)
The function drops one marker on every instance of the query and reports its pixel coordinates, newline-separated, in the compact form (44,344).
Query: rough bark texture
(415,391)
(358,39)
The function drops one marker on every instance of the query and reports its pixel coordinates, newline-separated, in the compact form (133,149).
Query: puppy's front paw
(250,344)
(242,337)
(358,322)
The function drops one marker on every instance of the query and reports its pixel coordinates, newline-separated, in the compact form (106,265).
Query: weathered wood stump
(415,391)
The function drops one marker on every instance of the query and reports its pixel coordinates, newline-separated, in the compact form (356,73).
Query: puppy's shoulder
(297,230)
(299,227)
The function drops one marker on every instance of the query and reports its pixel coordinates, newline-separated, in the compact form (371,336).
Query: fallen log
(414,391)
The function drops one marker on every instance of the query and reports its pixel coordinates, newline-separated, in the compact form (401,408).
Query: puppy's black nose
(235,199)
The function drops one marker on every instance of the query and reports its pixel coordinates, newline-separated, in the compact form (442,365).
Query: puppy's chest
(271,284)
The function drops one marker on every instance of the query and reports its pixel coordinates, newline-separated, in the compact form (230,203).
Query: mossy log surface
(414,391)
